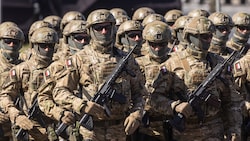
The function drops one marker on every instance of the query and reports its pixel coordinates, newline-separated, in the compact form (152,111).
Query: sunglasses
(206,36)
(154,45)
(99,27)
(170,23)
(80,37)
(8,41)
(46,45)
(222,28)
(133,34)
(243,28)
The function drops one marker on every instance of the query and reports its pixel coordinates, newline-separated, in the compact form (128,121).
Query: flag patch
(237,66)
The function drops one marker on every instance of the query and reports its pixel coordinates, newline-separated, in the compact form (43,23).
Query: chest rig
(31,80)
(102,66)
(195,71)
(151,70)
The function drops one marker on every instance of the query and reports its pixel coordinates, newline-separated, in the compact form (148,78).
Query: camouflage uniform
(7,62)
(57,69)
(89,67)
(224,24)
(156,35)
(23,82)
(242,79)
(182,73)
(241,66)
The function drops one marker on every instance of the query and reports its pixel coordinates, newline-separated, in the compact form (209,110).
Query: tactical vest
(101,66)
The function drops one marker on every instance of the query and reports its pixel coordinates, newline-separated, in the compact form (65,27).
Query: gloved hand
(68,118)
(184,108)
(131,123)
(3,118)
(95,109)
(23,122)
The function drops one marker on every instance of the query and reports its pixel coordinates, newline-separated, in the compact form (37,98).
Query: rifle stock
(105,94)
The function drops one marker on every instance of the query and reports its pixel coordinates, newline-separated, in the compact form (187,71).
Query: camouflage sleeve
(138,89)
(63,93)
(231,99)
(160,99)
(9,94)
(45,97)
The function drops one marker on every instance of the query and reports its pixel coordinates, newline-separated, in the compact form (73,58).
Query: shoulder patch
(237,66)
(69,62)
(13,74)
(47,74)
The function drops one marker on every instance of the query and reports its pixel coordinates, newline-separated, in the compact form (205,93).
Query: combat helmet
(36,25)
(44,35)
(152,17)
(172,15)
(125,27)
(141,13)
(198,12)
(116,12)
(69,16)
(157,33)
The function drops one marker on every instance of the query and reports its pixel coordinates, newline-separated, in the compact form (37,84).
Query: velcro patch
(69,62)
(47,74)
(238,67)
(13,74)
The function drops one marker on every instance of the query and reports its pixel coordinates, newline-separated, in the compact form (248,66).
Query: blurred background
(25,12)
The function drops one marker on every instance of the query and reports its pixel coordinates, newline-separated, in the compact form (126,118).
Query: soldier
(75,37)
(241,31)
(242,79)
(11,40)
(22,83)
(156,35)
(170,17)
(67,17)
(177,32)
(141,13)
(180,75)
(241,67)
(223,25)
(26,54)
(128,35)
(90,67)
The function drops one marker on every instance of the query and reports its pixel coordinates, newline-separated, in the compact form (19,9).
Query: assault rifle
(32,113)
(199,95)
(105,94)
